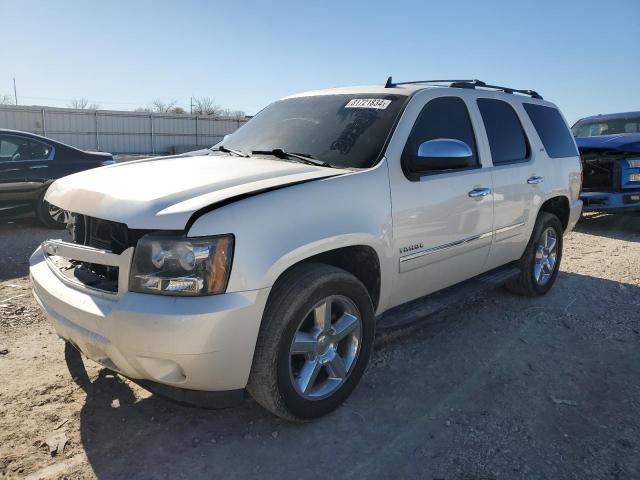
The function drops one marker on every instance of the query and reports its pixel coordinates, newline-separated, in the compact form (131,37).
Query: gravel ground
(502,388)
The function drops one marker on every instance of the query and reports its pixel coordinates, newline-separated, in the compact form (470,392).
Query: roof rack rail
(390,83)
(466,84)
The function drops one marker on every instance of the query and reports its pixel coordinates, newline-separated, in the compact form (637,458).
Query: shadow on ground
(620,226)
(507,387)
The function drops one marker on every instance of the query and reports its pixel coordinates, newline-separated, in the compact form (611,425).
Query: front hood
(625,142)
(163,193)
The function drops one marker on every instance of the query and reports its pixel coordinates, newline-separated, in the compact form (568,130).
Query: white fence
(118,131)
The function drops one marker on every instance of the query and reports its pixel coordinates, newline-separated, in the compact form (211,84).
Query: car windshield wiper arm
(224,149)
(278,152)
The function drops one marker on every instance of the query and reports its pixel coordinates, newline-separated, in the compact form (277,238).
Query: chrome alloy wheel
(57,214)
(325,347)
(545,256)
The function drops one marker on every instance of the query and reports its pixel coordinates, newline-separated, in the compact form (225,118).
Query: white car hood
(163,193)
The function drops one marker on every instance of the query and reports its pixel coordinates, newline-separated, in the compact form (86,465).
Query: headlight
(634,162)
(174,265)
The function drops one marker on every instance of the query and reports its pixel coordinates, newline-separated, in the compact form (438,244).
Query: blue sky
(583,55)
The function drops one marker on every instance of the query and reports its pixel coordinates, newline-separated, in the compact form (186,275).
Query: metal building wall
(118,131)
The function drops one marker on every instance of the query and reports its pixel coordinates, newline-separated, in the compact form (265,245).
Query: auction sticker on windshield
(376,103)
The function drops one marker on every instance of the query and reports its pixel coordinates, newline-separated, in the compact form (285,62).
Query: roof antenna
(389,83)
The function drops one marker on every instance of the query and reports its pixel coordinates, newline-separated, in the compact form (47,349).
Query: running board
(412,312)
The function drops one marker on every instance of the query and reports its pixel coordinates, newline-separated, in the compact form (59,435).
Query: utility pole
(15,92)
(191,106)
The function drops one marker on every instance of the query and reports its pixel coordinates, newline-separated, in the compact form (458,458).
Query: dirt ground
(501,388)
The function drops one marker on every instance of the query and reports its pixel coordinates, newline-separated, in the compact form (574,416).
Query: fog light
(634,177)
(634,198)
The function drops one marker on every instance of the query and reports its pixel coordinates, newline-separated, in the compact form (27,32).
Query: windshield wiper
(224,149)
(304,158)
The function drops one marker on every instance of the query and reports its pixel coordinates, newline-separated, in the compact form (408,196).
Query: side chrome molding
(508,228)
(457,243)
(431,250)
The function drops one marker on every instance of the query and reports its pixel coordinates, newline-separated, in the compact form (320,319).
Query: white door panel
(441,234)
(512,203)
(514,197)
(516,204)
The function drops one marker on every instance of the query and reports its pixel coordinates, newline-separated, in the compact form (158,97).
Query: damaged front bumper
(194,343)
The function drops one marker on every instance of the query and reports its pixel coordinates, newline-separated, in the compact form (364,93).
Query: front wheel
(314,344)
(540,262)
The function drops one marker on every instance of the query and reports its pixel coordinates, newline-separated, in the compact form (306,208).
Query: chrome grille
(102,234)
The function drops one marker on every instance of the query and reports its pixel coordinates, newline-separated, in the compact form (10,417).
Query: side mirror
(439,154)
(226,137)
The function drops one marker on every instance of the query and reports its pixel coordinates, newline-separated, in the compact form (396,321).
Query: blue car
(610,150)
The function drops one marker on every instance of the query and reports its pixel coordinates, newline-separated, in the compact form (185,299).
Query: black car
(29,164)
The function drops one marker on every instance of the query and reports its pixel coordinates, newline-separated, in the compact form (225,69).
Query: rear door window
(507,140)
(552,130)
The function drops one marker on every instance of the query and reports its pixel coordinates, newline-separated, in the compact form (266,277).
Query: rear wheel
(314,343)
(50,215)
(540,262)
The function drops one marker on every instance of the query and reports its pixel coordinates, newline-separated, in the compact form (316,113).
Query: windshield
(346,131)
(595,128)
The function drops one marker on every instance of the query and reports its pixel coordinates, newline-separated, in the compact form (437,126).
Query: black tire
(293,297)
(43,213)
(526,283)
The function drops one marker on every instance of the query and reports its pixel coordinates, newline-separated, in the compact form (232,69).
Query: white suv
(266,263)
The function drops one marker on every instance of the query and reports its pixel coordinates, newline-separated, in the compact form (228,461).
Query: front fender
(324,245)
(275,230)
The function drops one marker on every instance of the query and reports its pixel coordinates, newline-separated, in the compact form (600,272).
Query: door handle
(479,192)
(535,180)
(38,166)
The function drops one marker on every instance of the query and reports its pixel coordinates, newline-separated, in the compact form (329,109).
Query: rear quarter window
(39,151)
(552,130)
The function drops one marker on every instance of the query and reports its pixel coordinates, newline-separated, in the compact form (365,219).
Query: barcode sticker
(375,103)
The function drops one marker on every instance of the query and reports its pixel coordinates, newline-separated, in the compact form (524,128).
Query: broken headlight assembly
(176,265)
